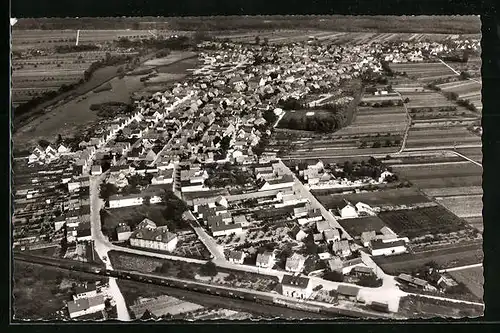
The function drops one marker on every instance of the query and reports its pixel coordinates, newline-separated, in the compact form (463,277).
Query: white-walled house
(348,211)
(117,201)
(84,306)
(381,248)
(296,286)
(154,238)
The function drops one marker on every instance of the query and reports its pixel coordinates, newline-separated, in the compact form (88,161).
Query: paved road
(299,188)
(121,306)
(215,249)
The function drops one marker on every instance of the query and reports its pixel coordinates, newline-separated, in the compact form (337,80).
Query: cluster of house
(48,154)
(148,236)
(316,176)
(301,287)
(55,196)
(418,51)
(87,299)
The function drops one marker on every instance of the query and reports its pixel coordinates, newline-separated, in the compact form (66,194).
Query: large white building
(84,306)
(387,248)
(296,286)
(154,238)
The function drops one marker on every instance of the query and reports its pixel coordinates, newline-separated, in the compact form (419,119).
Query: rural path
(460,268)
(215,249)
(446,299)
(408,125)
(456,72)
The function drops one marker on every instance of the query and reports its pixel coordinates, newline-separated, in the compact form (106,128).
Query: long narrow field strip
(389,197)
(476,222)
(453,191)
(464,206)
(446,258)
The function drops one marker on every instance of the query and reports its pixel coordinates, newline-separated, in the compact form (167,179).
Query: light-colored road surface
(121,306)
(446,299)
(408,125)
(100,246)
(305,193)
(460,268)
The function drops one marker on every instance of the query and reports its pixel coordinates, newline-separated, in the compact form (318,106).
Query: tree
(43,143)
(107,190)
(147,200)
(333,276)
(209,269)
(270,116)
(257,40)
(225,143)
(266,41)
(376,144)
(370,281)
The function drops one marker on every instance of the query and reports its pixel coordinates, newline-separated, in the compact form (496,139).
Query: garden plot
(355,227)
(387,197)
(422,221)
(463,206)
(453,191)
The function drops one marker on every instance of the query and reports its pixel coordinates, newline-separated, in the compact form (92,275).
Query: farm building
(414,282)
(85,290)
(387,248)
(331,235)
(362,271)
(349,265)
(446,282)
(274,184)
(348,292)
(123,232)
(367,237)
(348,210)
(296,286)
(96,170)
(84,306)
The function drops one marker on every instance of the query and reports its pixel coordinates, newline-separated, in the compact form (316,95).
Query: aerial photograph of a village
(244,168)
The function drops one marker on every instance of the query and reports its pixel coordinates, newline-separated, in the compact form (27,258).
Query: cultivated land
(390,197)
(473,278)
(433,198)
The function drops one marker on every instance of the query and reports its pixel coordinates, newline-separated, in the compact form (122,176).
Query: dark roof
(156,235)
(348,290)
(411,279)
(295,281)
(84,288)
(379,244)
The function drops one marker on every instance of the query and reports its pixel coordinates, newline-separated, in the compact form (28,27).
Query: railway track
(191,286)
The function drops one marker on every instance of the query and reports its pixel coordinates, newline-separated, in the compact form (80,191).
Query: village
(198,151)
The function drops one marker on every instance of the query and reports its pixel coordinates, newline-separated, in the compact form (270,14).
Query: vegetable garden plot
(422,221)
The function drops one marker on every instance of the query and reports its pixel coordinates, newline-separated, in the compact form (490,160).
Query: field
(476,222)
(467,90)
(423,72)
(422,221)
(475,154)
(449,257)
(371,120)
(473,278)
(441,176)
(445,137)
(355,227)
(389,197)
(464,206)
(39,292)
(421,308)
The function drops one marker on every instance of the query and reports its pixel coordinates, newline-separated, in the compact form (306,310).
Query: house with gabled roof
(296,286)
(265,259)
